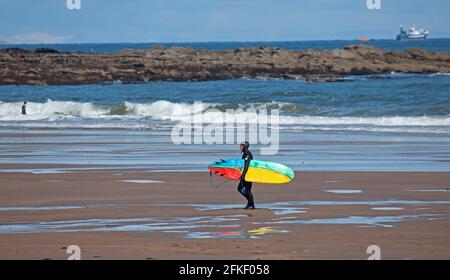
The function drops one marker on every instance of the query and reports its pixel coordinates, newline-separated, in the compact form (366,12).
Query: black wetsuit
(24,109)
(244,187)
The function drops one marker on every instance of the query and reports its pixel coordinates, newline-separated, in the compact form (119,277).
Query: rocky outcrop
(45,50)
(50,67)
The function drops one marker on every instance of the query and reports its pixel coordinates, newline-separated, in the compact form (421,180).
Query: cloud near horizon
(36,38)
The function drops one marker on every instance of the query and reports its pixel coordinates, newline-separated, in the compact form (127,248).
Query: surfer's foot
(249,207)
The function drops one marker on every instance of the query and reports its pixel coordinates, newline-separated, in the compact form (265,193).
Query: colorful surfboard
(259,171)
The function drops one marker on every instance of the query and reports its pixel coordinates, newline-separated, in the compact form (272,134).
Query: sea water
(435,44)
(398,122)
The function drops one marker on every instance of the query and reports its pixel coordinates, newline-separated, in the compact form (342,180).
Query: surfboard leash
(219,185)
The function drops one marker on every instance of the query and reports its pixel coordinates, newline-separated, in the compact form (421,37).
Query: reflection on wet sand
(123,224)
(344,191)
(253,233)
(283,214)
(382,221)
(142,181)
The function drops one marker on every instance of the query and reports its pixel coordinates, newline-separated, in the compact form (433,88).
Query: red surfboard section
(229,173)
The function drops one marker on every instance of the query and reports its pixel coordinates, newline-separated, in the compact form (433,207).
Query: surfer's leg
(241,188)
(251,202)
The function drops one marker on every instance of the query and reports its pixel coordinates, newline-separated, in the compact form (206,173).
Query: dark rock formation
(14,51)
(45,50)
(47,66)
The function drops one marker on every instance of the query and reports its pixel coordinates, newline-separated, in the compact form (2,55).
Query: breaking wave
(125,115)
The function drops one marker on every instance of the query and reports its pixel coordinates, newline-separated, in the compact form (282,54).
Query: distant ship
(412,34)
(363,39)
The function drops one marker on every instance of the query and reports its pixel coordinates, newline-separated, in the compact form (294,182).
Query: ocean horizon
(431,44)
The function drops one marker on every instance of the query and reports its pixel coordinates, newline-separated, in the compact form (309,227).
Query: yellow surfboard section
(259,175)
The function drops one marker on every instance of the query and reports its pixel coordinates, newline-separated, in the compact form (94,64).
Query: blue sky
(49,21)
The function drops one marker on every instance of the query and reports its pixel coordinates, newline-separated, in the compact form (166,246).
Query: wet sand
(179,215)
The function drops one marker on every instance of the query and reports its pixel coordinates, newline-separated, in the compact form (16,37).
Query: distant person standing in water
(244,187)
(24,108)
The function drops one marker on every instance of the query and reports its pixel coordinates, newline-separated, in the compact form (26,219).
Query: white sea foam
(49,110)
(439,74)
(59,114)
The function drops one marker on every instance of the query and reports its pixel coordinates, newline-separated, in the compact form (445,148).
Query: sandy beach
(179,215)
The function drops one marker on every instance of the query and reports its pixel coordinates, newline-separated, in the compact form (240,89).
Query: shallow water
(199,226)
(122,224)
(263,232)
(344,191)
(142,181)
(277,208)
(387,208)
(294,205)
(382,221)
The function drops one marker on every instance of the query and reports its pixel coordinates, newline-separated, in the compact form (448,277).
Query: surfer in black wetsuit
(24,108)
(244,187)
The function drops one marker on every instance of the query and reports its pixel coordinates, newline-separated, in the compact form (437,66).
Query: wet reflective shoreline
(227,226)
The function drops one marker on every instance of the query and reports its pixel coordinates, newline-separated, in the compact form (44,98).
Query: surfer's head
(244,146)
